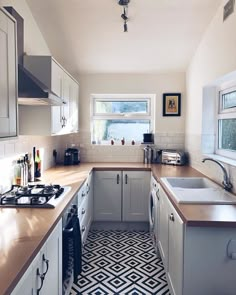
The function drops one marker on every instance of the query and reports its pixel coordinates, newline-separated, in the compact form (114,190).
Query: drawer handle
(172,218)
(41,276)
(83,211)
(47,264)
(88,188)
(83,228)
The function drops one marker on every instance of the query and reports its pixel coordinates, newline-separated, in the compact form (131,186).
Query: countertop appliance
(154,212)
(72,156)
(173,157)
(34,196)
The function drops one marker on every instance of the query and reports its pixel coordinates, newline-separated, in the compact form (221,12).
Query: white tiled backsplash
(194,148)
(118,153)
(10,150)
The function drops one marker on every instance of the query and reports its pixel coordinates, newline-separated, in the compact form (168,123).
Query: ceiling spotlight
(125,27)
(124,16)
(123,2)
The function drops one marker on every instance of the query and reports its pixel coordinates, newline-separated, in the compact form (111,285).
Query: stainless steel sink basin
(197,190)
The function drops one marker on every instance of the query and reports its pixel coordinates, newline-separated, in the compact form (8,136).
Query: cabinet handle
(83,211)
(118,179)
(47,265)
(88,188)
(41,276)
(172,218)
(83,228)
(126,178)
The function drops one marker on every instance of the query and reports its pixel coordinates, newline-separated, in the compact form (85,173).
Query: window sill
(221,159)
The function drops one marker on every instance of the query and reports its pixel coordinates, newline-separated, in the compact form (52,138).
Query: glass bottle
(37,172)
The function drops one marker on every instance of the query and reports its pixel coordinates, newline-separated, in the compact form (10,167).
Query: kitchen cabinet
(121,195)
(45,119)
(85,207)
(136,187)
(107,195)
(171,236)
(8,80)
(44,275)
(197,260)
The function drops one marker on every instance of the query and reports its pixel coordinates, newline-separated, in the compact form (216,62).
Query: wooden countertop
(24,231)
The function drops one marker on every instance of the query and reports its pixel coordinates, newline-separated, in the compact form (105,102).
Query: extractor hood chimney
(30,90)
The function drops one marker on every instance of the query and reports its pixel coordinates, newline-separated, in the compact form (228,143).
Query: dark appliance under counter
(71,246)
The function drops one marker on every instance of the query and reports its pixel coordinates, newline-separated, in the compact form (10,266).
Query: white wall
(34,42)
(214,58)
(10,149)
(169,131)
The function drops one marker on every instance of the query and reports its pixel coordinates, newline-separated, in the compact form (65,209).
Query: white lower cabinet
(171,236)
(121,195)
(136,187)
(44,275)
(197,260)
(107,195)
(85,207)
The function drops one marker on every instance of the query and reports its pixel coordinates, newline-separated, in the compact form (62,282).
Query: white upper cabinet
(8,80)
(46,119)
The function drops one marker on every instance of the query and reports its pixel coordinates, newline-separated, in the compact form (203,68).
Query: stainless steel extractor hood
(31,91)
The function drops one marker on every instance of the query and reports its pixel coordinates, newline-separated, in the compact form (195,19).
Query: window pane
(121,107)
(227,134)
(117,129)
(229,100)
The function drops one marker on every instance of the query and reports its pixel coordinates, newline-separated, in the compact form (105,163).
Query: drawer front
(82,195)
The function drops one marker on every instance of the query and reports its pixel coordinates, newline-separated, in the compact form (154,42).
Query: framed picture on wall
(171,104)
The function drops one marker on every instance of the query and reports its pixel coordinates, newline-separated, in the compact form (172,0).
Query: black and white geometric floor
(119,263)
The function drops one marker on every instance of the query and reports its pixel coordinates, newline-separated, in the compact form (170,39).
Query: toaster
(173,157)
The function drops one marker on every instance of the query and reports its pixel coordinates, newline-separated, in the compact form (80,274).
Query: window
(118,116)
(226,123)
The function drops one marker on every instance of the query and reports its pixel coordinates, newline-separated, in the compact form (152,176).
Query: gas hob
(34,196)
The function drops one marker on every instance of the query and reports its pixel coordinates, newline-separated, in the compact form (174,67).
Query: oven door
(72,252)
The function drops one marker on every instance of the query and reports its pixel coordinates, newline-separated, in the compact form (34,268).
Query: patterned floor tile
(120,263)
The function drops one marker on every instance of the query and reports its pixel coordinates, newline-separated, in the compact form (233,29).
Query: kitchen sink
(197,190)
(190,182)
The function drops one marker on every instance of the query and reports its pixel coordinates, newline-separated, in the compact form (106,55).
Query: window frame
(221,114)
(150,98)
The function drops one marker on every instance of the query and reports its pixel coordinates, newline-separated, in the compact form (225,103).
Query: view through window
(119,117)
(226,123)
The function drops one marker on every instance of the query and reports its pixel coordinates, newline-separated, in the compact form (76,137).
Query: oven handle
(68,230)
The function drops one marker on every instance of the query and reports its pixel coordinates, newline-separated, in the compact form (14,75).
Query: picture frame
(171,104)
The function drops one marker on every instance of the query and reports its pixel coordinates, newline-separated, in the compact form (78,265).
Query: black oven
(72,246)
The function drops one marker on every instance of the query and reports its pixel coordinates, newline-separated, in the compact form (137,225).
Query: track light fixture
(124,16)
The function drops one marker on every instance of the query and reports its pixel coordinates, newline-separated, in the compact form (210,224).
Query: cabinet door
(65,107)
(8,89)
(74,106)
(175,251)
(50,264)
(163,229)
(56,79)
(56,119)
(107,195)
(136,188)
(25,285)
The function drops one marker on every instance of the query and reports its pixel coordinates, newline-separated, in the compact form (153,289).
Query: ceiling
(87,36)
